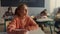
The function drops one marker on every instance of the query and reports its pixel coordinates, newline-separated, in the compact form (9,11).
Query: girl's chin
(23,15)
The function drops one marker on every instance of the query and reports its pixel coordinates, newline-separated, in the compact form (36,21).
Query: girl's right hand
(11,28)
(22,31)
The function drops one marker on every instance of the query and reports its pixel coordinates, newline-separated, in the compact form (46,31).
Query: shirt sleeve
(11,26)
(32,24)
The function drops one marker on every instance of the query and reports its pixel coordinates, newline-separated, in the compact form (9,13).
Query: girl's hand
(21,31)
(11,28)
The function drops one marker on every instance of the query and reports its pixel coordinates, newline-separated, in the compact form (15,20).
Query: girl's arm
(32,24)
(11,26)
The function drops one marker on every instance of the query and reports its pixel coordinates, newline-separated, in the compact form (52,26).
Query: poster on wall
(30,3)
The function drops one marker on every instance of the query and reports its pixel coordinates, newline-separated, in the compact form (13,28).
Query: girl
(21,21)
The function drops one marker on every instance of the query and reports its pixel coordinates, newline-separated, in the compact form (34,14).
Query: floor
(47,30)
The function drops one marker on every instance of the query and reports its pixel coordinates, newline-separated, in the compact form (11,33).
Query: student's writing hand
(21,31)
(11,28)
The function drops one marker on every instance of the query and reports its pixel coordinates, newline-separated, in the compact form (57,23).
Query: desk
(46,20)
(43,20)
(39,31)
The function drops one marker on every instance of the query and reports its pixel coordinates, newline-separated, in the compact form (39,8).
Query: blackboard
(30,3)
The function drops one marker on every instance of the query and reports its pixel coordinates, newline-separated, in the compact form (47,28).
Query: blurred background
(35,9)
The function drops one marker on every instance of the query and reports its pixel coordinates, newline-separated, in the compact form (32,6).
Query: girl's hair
(20,6)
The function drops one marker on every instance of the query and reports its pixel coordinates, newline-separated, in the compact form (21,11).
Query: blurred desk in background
(48,21)
(1,25)
(43,20)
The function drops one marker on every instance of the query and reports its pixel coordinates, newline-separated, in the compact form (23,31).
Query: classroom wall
(32,10)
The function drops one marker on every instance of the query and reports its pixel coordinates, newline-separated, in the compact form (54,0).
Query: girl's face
(22,11)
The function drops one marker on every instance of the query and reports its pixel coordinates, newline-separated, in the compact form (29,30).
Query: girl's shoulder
(28,16)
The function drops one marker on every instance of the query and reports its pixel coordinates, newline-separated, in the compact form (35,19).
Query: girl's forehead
(25,7)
